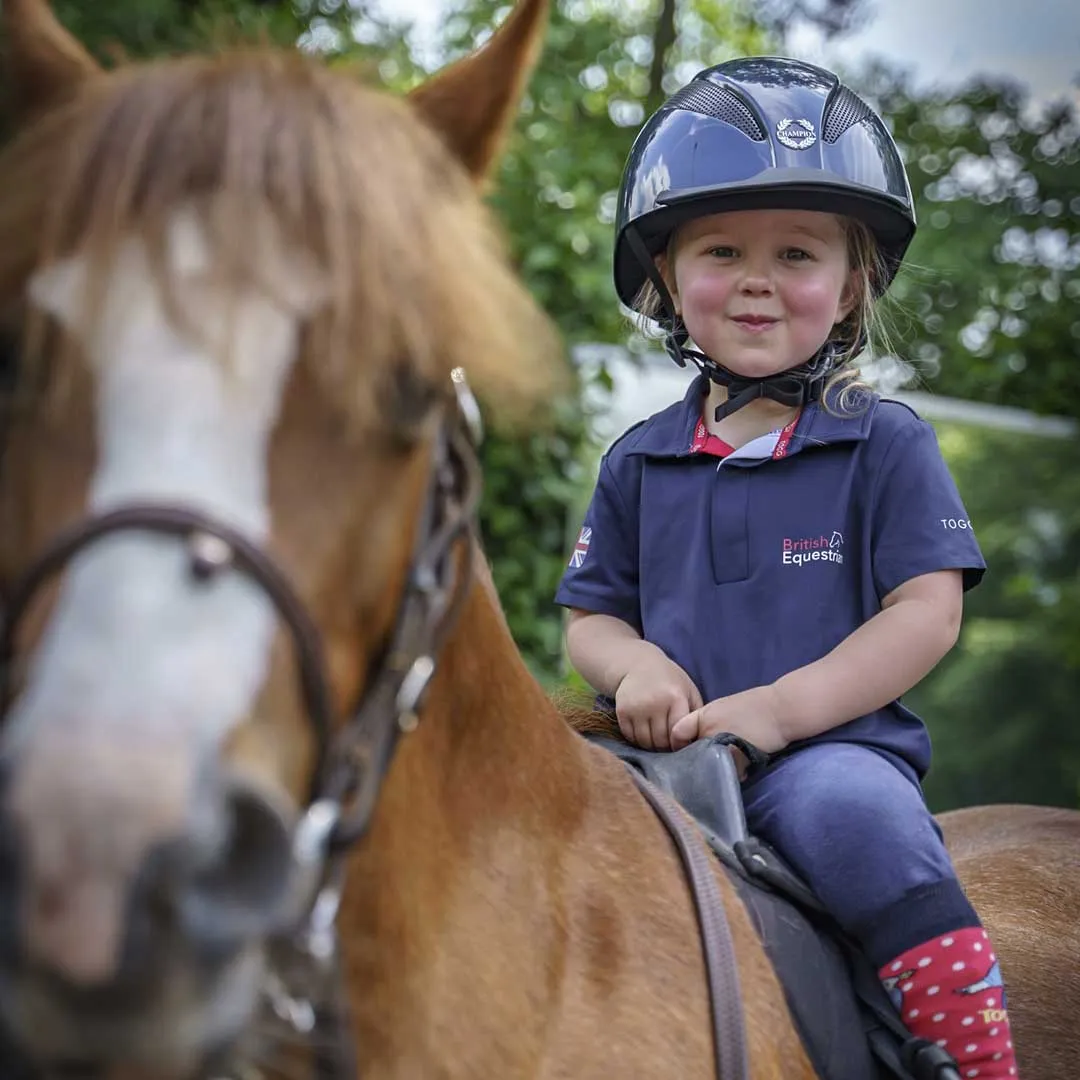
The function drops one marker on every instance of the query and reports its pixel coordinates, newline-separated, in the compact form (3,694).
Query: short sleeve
(602,573)
(920,524)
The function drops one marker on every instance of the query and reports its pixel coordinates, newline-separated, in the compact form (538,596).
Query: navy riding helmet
(762,132)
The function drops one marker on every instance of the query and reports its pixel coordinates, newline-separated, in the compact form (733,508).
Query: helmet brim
(775,189)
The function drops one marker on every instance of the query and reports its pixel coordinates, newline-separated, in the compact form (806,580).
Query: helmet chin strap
(795,387)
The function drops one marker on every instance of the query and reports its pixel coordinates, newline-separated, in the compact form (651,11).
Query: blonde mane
(417,278)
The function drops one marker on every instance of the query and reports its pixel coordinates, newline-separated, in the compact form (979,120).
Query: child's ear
(850,296)
(663,264)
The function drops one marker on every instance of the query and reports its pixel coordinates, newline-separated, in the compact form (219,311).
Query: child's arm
(884,658)
(918,624)
(603,649)
(650,691)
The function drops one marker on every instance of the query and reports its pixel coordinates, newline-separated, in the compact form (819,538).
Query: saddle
(847,1023)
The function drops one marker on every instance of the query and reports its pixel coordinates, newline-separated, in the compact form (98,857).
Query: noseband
(354,754)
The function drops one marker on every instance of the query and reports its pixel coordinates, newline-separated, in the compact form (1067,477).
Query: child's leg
(859,832)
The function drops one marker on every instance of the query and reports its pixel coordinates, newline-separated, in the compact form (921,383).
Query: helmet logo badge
(796,134)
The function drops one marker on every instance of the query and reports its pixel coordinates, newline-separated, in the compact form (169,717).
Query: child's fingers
(685,730)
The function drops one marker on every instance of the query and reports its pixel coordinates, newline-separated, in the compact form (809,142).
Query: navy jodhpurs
(856,827)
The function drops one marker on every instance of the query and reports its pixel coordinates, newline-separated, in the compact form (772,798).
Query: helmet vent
(845,109)
(708,99)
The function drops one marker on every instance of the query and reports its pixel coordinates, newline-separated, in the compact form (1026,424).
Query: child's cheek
(812,297)
(704,294)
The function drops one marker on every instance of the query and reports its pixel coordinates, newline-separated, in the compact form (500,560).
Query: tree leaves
(992,303)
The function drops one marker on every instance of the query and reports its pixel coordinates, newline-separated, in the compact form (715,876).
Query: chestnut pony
(254,693)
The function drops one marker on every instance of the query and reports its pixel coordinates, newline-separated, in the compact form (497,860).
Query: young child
(782,554)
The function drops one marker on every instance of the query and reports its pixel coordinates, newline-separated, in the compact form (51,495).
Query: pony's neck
(466,856)
(488,703)
(495,747)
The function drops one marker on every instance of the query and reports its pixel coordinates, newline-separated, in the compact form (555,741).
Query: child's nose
(755,281)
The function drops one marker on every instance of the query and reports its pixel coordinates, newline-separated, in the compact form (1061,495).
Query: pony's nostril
(240,894)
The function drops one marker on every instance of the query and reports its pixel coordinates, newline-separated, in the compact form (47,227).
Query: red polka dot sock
(949,991)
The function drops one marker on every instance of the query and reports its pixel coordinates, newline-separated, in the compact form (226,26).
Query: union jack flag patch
(581,548)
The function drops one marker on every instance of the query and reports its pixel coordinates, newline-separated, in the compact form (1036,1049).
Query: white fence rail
(646,384)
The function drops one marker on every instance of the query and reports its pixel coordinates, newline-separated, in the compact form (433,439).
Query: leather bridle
(353,754)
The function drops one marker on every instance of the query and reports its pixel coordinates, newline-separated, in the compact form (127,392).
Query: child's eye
(797,254)
(722,251)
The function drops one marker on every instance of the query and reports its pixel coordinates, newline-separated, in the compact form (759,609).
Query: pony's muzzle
(242,893)
(194,900)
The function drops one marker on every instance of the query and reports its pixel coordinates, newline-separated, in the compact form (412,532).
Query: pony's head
(234,479)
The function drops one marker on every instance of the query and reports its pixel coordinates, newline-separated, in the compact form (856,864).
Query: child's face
(761,290)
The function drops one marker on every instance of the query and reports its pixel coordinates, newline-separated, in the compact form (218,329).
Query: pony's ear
(472,103)
(42,64)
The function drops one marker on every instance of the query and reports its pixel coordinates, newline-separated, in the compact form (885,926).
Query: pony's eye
(408,399)
(9,370)
(9,358)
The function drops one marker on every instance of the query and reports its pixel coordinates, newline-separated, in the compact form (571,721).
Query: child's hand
(753,715)
(652,697)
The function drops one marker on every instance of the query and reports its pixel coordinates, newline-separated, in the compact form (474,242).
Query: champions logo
(813,549)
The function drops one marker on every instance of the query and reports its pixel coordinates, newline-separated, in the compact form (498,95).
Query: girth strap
(729,1032)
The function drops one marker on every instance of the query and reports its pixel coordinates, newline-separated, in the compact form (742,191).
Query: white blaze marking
(142,671)
(134,642)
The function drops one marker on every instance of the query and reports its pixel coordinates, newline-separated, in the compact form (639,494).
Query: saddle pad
(817,985)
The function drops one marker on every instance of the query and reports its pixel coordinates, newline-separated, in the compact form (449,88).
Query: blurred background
(983,98)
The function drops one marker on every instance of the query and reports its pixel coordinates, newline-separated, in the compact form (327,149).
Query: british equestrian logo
(581,548)
(808,549)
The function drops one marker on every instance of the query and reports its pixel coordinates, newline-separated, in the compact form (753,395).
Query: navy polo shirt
(745,568)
